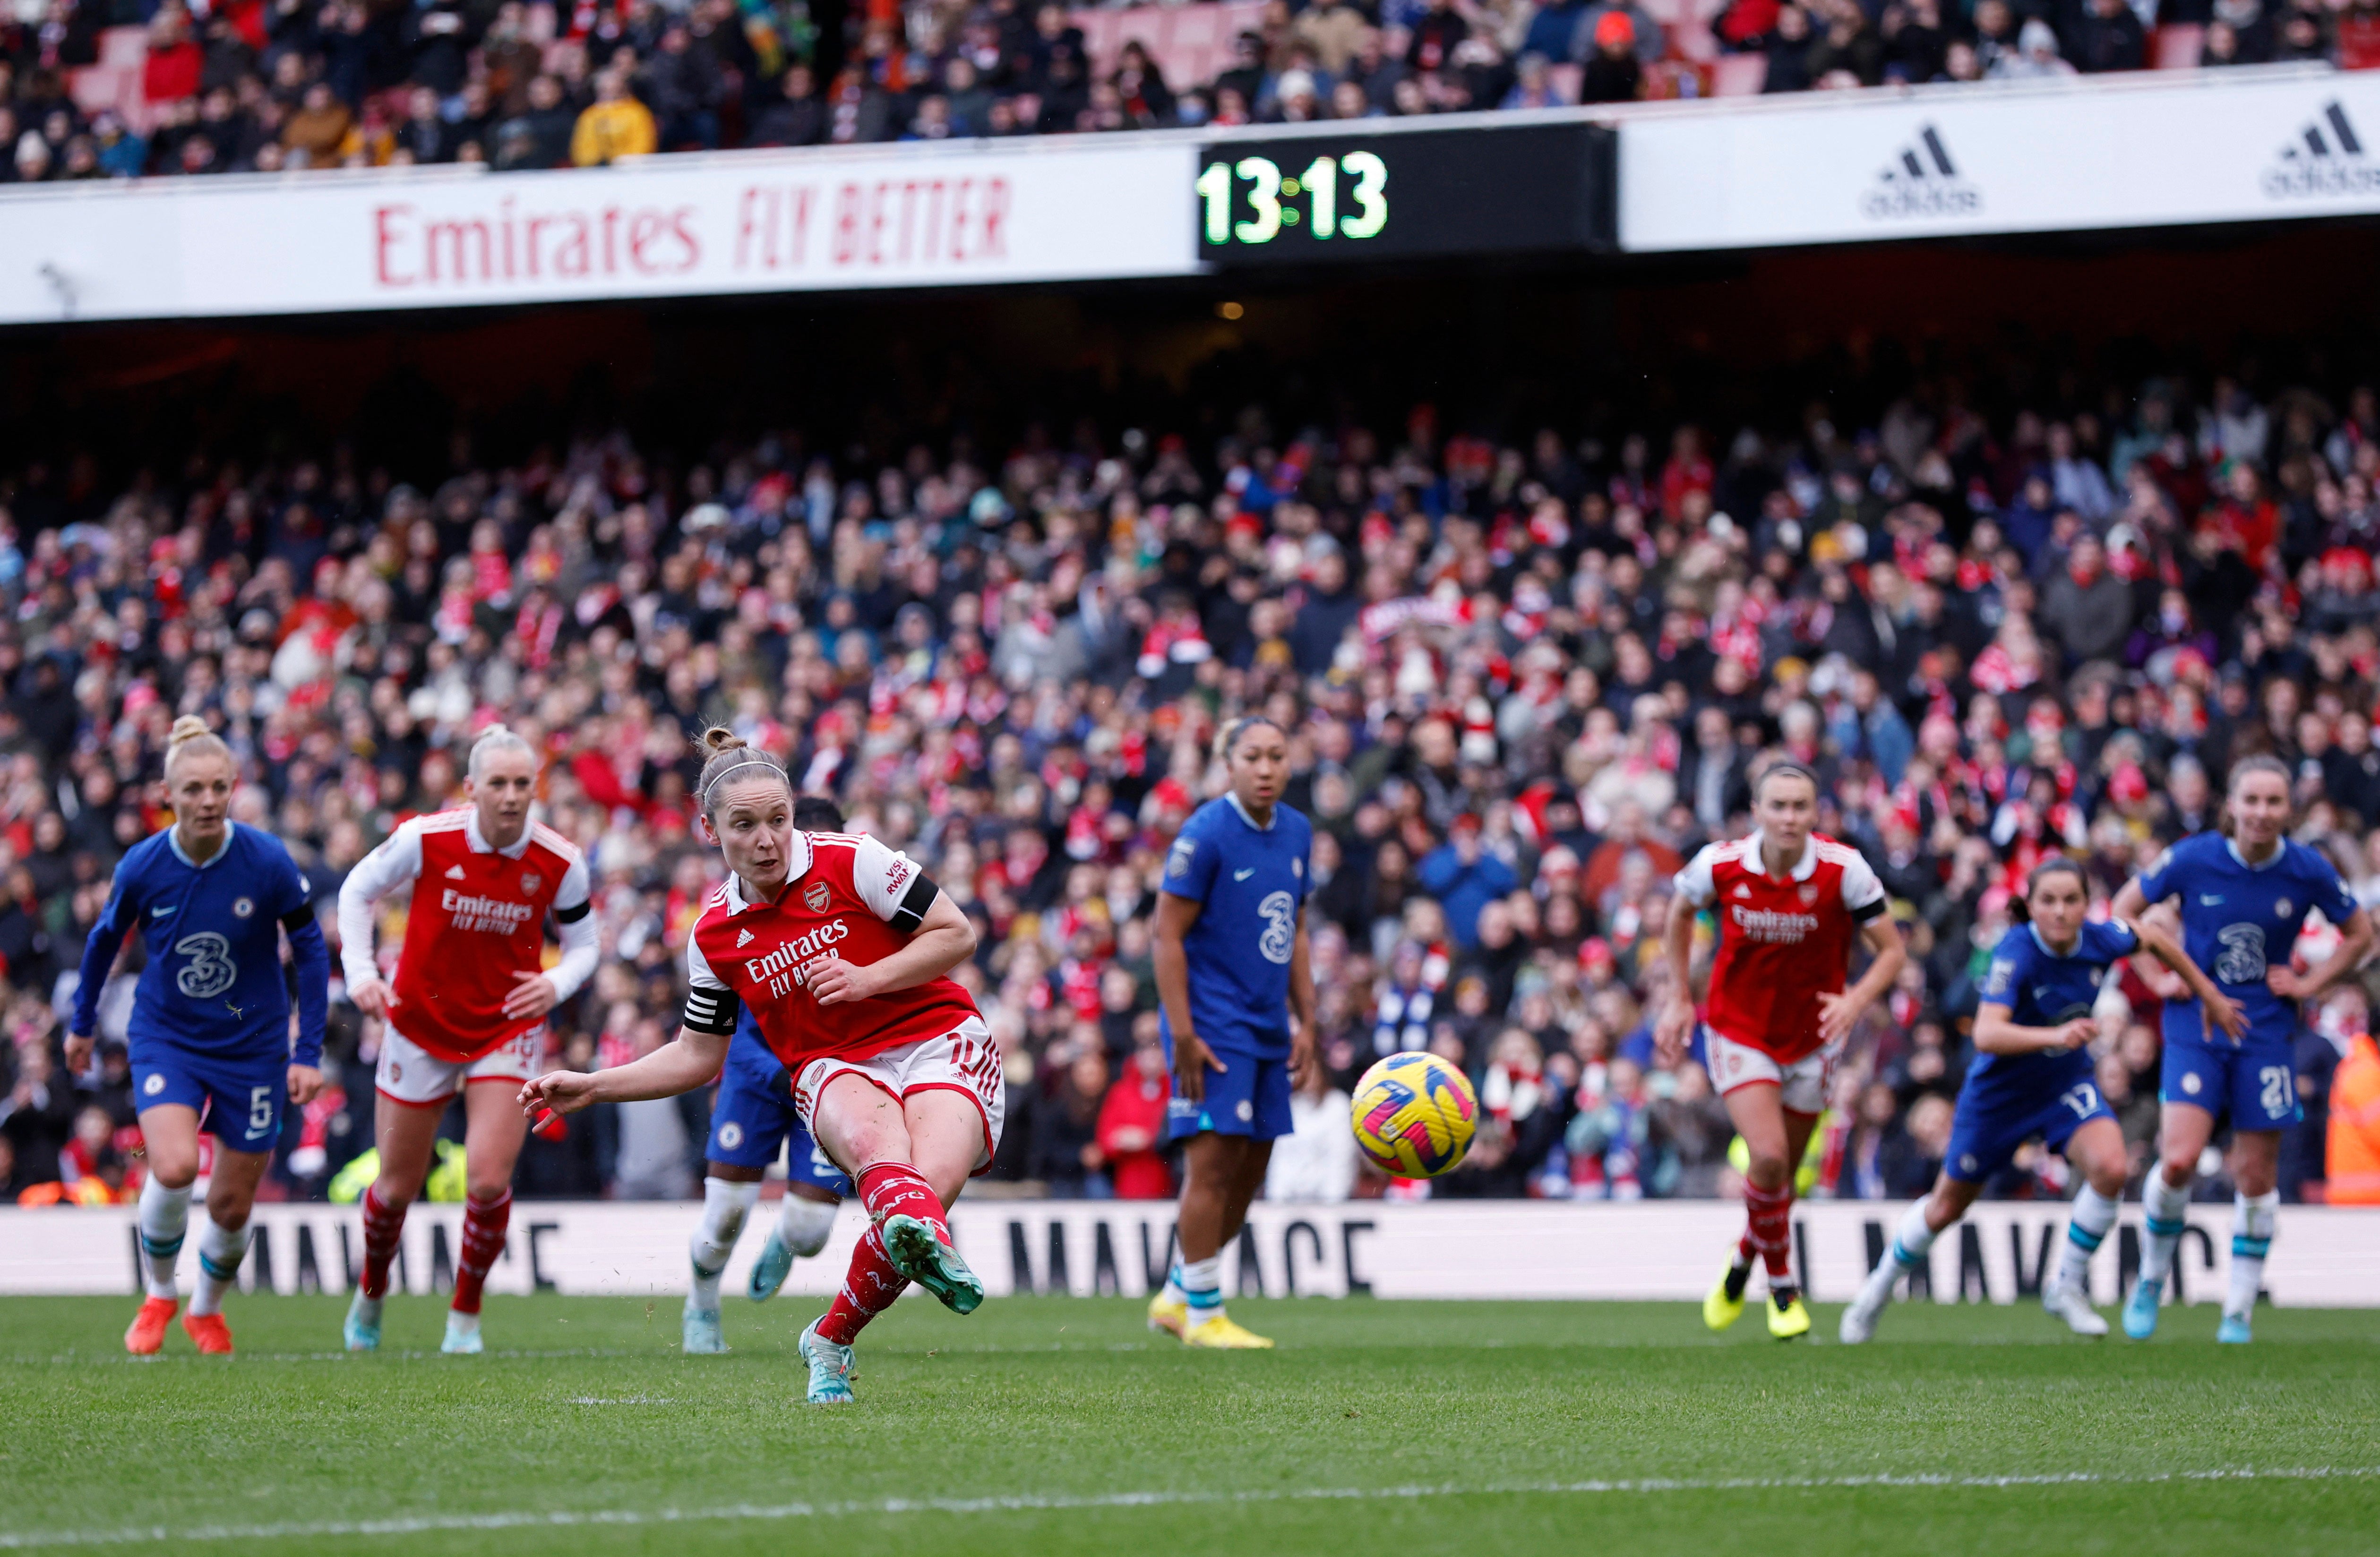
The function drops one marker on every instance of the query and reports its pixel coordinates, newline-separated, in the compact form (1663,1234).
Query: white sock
(1172,1292)
(2086,1229)
(805,1226)
(2252,1220)
(2168,1209)
(725,1206)
(1914,1238)
(220,1251)
(1202,1286)
(1904,1254)
(165,1221)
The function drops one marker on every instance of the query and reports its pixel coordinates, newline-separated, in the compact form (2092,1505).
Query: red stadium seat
(2178,47)
(1738,74)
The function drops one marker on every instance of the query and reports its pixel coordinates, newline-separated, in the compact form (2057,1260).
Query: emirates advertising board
(2160,149)
(975,214)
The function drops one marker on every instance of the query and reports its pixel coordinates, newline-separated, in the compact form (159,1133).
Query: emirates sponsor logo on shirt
(780,970)
(1767,925)
(493,916)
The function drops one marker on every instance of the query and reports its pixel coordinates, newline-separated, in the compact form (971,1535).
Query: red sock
(483,1244)
(1770,1231)
(382,1225)
(896,1189)
(869,1288)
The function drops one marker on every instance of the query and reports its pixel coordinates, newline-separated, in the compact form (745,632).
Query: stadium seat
(1567,81)
(1738,74)
(2178,47)
(113,83)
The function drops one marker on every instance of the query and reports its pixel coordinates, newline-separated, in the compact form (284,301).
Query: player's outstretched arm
(1995,1034)
(99,950)
(2132,901)
(943,940)
(2221,1010)
(687,1062)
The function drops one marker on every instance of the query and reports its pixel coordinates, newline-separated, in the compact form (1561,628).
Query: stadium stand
(1528,672)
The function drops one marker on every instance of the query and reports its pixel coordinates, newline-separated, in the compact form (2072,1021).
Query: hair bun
(718,738)
(190,726)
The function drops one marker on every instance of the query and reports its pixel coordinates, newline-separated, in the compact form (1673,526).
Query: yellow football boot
(1722,1307)
(1170,1317)
(1788,1316)
(1219,1333)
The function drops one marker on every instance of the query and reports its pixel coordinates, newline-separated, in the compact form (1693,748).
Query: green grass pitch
(1051,1425)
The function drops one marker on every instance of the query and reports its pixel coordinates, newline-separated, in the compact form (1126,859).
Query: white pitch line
(1059,1503)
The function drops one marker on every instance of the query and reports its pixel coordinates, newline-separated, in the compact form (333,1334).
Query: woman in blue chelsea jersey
(1237,993)
(2244,897)
(2031,1079)
(210,1029)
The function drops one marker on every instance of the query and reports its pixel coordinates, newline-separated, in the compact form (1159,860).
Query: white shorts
(964,1060)
(411,1074)
(1802,1086)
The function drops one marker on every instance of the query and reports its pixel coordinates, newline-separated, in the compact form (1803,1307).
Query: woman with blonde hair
(210,1030)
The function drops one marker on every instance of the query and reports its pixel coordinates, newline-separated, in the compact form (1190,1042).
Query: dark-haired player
(2033,1079)
(1790,904)
(1237,995)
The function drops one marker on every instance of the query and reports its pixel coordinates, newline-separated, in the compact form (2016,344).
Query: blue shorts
(752,1118)
(1249,1097)
(239,1099)
(2255,1084)
(1992,1122)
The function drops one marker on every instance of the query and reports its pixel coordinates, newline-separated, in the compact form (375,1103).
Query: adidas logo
(743,937)
(455,873)
(1921,181)
(1741,890)
(2327,159)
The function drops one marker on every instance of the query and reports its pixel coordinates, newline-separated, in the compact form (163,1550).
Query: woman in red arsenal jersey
(467,1005)
(841,948)
(1789,904)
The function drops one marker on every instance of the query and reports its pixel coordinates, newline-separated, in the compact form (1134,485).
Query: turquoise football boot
(2141,1309)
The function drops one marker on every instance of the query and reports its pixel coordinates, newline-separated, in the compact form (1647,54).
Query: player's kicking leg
(912,1158)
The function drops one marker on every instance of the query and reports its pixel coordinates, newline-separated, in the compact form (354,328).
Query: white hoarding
(1483,1249)
(2157,150)
(664,227)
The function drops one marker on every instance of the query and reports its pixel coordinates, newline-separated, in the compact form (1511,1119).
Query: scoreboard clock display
(1389,195)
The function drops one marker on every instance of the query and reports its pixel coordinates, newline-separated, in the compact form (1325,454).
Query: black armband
(296,919)
(914,905)
(576,912)
(1862,915)
(712,1011)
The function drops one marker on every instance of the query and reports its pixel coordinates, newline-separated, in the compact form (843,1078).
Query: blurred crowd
(1526,678)
(269,85)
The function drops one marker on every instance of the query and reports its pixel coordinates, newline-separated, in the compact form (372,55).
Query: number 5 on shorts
(259,1110)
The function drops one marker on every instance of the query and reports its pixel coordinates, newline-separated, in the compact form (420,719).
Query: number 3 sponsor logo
(211,970)
(1280,912)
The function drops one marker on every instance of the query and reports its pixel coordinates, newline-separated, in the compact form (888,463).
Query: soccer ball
(1414,1116)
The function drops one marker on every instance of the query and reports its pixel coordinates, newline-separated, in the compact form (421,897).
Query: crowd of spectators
(267,85)
(1525,679)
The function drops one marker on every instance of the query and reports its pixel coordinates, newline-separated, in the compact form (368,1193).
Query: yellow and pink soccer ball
(1414,1115)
